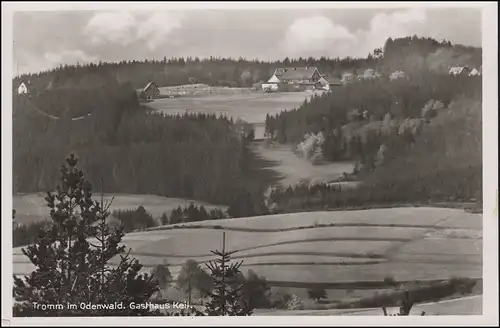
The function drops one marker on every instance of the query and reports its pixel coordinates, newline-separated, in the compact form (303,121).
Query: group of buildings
(309,78)
(299,79)
(465,71)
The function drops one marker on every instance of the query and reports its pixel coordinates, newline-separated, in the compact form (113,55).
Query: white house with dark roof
(458,70)
(295,75)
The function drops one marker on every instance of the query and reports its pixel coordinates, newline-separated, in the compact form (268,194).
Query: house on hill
(295,75)
(474,72)
(456,71)
(150,91)
(326,83)
(22,89)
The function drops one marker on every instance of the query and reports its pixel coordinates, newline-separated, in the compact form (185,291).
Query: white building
(459,71)
(474,72)
(22,89)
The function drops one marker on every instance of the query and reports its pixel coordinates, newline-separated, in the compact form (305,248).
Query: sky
(46,39)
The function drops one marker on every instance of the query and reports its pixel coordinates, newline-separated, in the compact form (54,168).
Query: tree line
(214,71)
(408,52)
(140,218)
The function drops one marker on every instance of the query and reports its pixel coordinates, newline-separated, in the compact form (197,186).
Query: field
(32,207)
(350,252)
(249,106)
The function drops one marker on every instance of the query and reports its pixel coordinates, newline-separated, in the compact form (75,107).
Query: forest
(197,156)
(440,164)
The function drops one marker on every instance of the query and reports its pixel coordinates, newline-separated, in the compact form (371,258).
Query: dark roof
(295,73)
(149,85)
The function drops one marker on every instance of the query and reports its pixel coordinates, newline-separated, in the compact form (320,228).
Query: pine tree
(226,298)
(71,258)
(163,275)
(164,219)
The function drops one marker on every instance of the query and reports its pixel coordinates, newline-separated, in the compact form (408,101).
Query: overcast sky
(44,40)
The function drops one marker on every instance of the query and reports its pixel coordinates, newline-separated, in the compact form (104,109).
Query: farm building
(150,91)
(22,89)
(474,72)
(295,75)
(326,84)
(459,71)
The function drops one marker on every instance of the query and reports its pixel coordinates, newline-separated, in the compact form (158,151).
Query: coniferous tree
(163,275)
(227,296)
(72,256)
(164,219)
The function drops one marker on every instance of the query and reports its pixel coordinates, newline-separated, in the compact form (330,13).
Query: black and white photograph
(285,162)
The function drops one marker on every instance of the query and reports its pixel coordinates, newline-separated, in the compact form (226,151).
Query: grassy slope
(448,244)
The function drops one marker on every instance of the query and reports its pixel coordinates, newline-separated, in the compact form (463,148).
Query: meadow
(32,207)
(249,106)
(350,248)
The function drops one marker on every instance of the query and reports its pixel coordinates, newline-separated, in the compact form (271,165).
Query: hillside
(351,251)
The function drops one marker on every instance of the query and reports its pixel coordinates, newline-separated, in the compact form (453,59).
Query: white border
(490,169)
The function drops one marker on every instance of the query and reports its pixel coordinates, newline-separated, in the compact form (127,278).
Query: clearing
(250,106)
(294,169)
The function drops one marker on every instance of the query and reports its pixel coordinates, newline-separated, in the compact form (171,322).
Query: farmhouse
(22,89)
(474,72)
(150,91)
(325,83)
(295,75)
(459,71)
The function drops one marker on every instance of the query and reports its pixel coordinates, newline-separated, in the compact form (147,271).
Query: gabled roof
(458,70)
(149,85)
(295,73)
(474,72)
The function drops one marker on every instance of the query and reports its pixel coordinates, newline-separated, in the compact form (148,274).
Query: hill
(353,250)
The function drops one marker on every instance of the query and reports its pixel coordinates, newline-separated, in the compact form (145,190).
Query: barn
(150,91)
(459,71)
(295,75)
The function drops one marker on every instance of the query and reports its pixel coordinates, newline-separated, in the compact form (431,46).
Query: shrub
(294,303)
